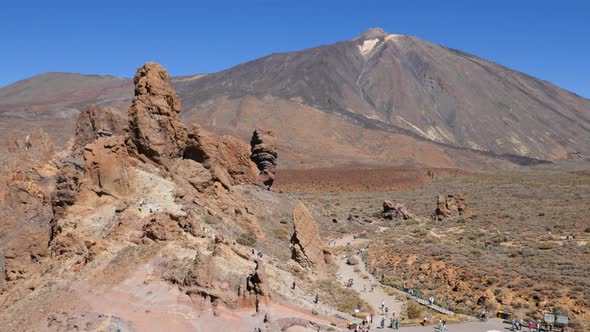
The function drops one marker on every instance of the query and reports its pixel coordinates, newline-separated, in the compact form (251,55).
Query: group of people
(442,325)
(365,325)
(152,208)
(519,325)
(413,292)
(258,253)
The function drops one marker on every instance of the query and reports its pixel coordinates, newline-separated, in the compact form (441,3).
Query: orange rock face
(107,167)
(154,122)
(307,247)
(224,154)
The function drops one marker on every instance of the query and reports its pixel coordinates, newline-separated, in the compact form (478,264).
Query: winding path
(379,295)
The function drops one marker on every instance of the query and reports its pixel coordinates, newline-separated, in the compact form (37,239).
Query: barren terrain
(509,251)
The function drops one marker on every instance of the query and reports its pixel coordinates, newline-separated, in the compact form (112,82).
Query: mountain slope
(372,90)
(406,83)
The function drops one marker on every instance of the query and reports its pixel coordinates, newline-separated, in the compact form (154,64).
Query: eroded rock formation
(107,169)
(25,206)
(449,206)
(395,211)
(264,154)
(307,247)
(155,130)
(226,157)
(256,281)
(94,122)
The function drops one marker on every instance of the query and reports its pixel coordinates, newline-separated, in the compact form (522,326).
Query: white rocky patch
(368,45)
(438,134)
(518,145)
(392,37)
(412,126)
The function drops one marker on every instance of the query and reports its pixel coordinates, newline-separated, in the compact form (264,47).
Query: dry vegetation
(508,252)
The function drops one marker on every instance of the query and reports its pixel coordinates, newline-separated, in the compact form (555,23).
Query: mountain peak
(372,33)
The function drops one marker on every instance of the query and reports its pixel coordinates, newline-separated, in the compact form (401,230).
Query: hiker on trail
(382,322)
(383,304)
(371,288)
(294,284)
(531,326)
(396,324)
(444,325)
(484,315)
(440,324)
(317,299)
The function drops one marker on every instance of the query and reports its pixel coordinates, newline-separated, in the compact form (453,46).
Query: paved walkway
(490,325)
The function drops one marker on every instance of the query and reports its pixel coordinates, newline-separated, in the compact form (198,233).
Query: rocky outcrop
(95,122)
(155,130)
(449,206)
(264,154)
(256,282)
(25,214)
(26,184)
(166,227)
(23,153)
(395,211)
(226,157)
(107,167)
(67,187)
(307,248)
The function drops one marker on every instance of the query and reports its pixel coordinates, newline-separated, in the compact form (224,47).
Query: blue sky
(546,39)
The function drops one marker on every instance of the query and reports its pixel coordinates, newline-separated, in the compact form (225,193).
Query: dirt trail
(378,295)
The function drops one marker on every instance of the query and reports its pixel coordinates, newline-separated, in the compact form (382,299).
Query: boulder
(264,155)
(352,261)
(449,206)
(307,248)
(395,211)
(155,130)
(162,227)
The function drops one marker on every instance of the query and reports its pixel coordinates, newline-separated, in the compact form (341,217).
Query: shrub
(414,310)
(246,239)
(546,246)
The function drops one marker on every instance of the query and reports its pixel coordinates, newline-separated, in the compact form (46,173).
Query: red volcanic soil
(351,179)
